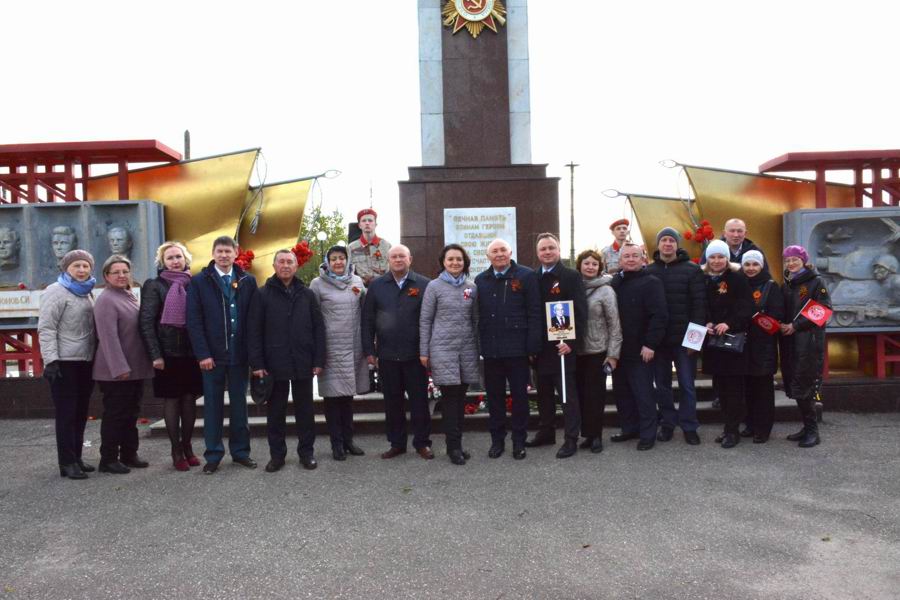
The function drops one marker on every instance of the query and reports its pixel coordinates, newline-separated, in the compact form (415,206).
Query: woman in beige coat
(66,334)
(341,293)
(599,353)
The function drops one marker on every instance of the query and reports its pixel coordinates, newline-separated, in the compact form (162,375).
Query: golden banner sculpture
(205,198)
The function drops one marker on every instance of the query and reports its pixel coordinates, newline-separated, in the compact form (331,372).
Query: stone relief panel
(857,251)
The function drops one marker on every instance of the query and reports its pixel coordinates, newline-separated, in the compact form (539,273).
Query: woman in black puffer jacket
(762,349)
(804,342)
(729,310)
(162,324)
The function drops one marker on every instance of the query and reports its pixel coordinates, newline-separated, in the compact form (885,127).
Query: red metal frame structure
(29,171)
(883,168)
(858,161)
(27,168)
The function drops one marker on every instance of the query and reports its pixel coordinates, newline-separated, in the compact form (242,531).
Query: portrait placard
(694,336)
(560,320)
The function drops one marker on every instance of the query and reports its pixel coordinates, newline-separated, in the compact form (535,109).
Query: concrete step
(373,421)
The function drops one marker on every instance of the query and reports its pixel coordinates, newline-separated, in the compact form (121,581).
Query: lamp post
(322,236)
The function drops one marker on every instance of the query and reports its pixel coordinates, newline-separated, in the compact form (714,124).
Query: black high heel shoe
(72,471)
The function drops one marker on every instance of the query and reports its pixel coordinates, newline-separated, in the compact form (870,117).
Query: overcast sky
(615,86)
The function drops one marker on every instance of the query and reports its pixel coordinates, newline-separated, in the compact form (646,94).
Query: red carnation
(509,404)
(302,252)
(696,261)
(471,408)
(688,235)
(704,222)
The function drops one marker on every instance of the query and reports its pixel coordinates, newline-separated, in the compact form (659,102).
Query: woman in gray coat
(599,352)
(448,341)
(341,294)
(66,334)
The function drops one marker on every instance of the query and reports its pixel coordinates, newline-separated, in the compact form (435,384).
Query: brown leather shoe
(425,452)
(393,452)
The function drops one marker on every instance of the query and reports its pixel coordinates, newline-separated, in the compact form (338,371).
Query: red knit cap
(364,212)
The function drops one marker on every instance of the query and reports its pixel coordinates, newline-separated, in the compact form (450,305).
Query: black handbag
(729,342)
(261,388)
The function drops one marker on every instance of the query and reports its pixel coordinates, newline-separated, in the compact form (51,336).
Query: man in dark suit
(218,304)
(286,340)
(558,282)
(510,326)
(390,332)
(644,316)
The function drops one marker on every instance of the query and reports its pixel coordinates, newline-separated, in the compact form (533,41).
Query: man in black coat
(734,233)
(644,316)
(685,291)
(218,304)
(558,283)
(390,332)
(286,341)
(510,326)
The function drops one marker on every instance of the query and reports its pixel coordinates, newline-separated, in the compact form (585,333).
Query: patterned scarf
(79,288)
(175,307)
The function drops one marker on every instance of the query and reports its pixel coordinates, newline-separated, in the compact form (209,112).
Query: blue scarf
(79,288)
(454,281)
(797,274)
(345,278)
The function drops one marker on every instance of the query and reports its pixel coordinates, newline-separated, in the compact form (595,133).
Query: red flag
(815,312)
(766,323)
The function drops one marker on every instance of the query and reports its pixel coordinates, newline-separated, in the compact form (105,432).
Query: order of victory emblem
(474,15)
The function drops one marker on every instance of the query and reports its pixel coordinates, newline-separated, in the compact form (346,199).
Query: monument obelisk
(476,176)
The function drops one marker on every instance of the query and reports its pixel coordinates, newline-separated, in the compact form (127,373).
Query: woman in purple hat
(162,320)
(803,349)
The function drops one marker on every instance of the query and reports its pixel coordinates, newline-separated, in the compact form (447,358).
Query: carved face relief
(119,240)
(63,240)
(9,247)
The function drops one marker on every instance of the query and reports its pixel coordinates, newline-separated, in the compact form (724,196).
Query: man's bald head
(735,233)
(399,259)
(499,252)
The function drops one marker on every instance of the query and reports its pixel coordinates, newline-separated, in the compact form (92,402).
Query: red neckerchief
(374,241)
(615,246)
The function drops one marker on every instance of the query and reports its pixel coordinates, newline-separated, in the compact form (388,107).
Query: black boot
(796,437)
(812,434)
(72,471)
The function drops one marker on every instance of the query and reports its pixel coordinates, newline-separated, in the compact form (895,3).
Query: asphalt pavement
(757,521)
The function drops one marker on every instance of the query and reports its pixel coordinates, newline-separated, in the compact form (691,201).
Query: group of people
(209,333)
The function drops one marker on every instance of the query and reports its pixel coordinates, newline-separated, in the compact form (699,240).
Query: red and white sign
(766,323)
(815,312)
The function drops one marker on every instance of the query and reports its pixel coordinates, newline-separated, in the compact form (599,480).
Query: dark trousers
(633,390)
(685,368)
(590,380)
(453,406)
(301,391)
(339,420)
(731,397)
(118,429)
(71,393)
(497,371)
(548,386)
(760,403)
(409,376)
(214,383)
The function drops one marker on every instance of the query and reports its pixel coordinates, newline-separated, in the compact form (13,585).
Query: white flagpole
(562,366)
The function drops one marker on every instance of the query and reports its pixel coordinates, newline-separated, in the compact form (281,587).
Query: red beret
(364,212)
(619,222)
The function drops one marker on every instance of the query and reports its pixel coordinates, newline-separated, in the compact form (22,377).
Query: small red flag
(815,312)
(767,323)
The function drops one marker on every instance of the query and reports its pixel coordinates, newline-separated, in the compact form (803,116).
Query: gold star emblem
(474,15)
